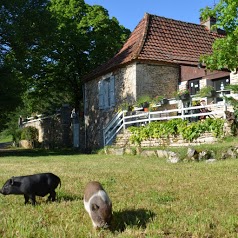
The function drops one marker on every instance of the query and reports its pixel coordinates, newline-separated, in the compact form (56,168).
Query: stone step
(122,139)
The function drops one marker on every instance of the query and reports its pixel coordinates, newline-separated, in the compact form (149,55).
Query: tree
(51,45)
(10,94)
(225,50)
(23,36)
(86,38)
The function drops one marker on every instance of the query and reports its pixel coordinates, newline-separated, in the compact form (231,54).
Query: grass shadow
(138,218)
(68,198)
(37,152)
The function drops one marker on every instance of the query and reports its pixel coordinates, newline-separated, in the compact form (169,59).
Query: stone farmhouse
(160,57)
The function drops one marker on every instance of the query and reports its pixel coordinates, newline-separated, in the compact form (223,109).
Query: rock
(148,153)
(206,155)
(192,154)
(173,157)
(210,160)
(130,151)
(119,151)
(231,153)
(162,153)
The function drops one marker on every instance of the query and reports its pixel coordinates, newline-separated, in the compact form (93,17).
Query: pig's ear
(95,207)
(12,180)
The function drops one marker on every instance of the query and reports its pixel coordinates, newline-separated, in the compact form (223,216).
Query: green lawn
(151,198)
(4,138)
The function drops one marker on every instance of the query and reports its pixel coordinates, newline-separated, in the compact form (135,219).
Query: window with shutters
(106,89)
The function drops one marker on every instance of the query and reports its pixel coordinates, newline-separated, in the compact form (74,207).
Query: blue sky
(130,12)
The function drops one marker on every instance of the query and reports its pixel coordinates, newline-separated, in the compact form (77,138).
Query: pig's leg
(33,199)
(52,196)
(26,198)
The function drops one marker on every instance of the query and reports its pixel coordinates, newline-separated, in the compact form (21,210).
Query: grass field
(151,198)
(4,138)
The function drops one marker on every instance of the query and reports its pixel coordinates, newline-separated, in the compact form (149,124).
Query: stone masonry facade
(131,82)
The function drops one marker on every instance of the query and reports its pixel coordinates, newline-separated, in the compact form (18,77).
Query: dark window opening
(219,85)
(193,86)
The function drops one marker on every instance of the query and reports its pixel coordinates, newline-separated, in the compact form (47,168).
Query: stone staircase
(122,139)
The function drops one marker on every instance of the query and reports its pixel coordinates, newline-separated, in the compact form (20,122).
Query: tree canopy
(225,50)
(48,46)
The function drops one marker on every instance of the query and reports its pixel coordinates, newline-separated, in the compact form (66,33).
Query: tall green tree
(86,38)
(51,45)
(225,50)
(10,94)
(21,28)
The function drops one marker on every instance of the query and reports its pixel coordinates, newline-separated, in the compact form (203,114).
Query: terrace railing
(139,118)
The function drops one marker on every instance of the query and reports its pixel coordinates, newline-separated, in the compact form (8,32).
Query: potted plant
(207,91)
(160,100)
(144,101)
(183,94)
(125,107)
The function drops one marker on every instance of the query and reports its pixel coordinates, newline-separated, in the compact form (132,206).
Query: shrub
(189,131)
(143,99)
(29,133)
(207,91)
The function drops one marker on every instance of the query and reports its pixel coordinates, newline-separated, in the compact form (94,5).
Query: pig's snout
(106,225)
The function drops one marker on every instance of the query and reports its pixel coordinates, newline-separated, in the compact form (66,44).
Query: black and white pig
(98,205)
(32,185)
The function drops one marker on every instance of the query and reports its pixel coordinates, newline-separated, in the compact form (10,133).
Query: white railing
(113,127)
(38,118)
(139,118)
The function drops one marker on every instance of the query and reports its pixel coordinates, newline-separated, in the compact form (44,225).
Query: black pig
(32,185)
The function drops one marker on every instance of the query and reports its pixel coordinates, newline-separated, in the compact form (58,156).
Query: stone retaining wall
(123,140)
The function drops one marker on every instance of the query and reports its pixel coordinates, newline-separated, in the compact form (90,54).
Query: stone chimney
(208,23)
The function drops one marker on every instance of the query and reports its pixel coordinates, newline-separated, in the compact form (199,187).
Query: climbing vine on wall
(188,131)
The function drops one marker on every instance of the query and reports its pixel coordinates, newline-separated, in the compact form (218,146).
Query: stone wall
(54,131)
(234,77)
(130,82)
(96,119)
(157,80)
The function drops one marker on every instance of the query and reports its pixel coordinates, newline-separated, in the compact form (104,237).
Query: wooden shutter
(106,93)
(112,91)
(100,95)
(85,98)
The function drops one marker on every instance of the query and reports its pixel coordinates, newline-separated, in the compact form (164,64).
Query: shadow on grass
(138,218)
(37,152)
(68,198)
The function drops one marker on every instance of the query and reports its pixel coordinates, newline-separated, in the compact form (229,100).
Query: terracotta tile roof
(161,39)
